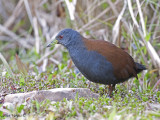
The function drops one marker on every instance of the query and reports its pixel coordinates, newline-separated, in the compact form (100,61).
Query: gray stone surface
(53,94)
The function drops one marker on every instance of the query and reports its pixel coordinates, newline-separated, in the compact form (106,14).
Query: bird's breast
(93,66)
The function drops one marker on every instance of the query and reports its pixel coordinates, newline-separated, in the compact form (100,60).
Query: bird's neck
(76,45)
(77,51)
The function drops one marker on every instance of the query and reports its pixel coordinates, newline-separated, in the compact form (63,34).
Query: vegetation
(26,27)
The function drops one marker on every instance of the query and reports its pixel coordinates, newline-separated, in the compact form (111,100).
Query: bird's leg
(114,85)
(111,88)
(105,90)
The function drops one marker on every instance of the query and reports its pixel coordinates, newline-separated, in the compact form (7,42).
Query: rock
(96,116)
(53,94)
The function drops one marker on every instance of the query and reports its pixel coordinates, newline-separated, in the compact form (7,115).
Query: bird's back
(123,64)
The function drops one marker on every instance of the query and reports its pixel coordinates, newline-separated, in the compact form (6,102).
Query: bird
(98,60)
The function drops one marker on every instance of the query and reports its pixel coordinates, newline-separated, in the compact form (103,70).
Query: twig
(28,11)
(45,62)
(154,56)
(54,61)
(91,9)
(141,17)
(14,37)
(71,8)
(46,55)
(18,9)
(97,17)
(36,34)
(156,28)
(45,29)
(135,23)
(141,52)
(157,83)
(3,12)
(97,24)
(116,27)
(6,65)
(113,7)
(131,12)
(5,38)
(154,18)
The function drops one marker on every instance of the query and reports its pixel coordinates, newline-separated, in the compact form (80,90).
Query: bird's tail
(140,67)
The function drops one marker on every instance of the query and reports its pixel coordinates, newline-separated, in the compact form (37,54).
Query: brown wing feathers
(124,65)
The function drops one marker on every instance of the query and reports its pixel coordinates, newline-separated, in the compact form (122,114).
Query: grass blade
(6,65)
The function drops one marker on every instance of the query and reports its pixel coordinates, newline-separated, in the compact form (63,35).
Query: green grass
(131,100)
(134,99)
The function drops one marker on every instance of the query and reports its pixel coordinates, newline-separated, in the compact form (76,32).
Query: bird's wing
(123,64)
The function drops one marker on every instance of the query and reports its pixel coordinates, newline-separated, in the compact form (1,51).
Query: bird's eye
(60,37)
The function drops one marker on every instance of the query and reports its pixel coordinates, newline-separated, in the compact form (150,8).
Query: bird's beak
(52,43)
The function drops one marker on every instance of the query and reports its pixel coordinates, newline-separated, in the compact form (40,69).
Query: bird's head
(66,37)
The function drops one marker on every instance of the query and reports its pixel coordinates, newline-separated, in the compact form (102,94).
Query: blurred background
(27,26)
